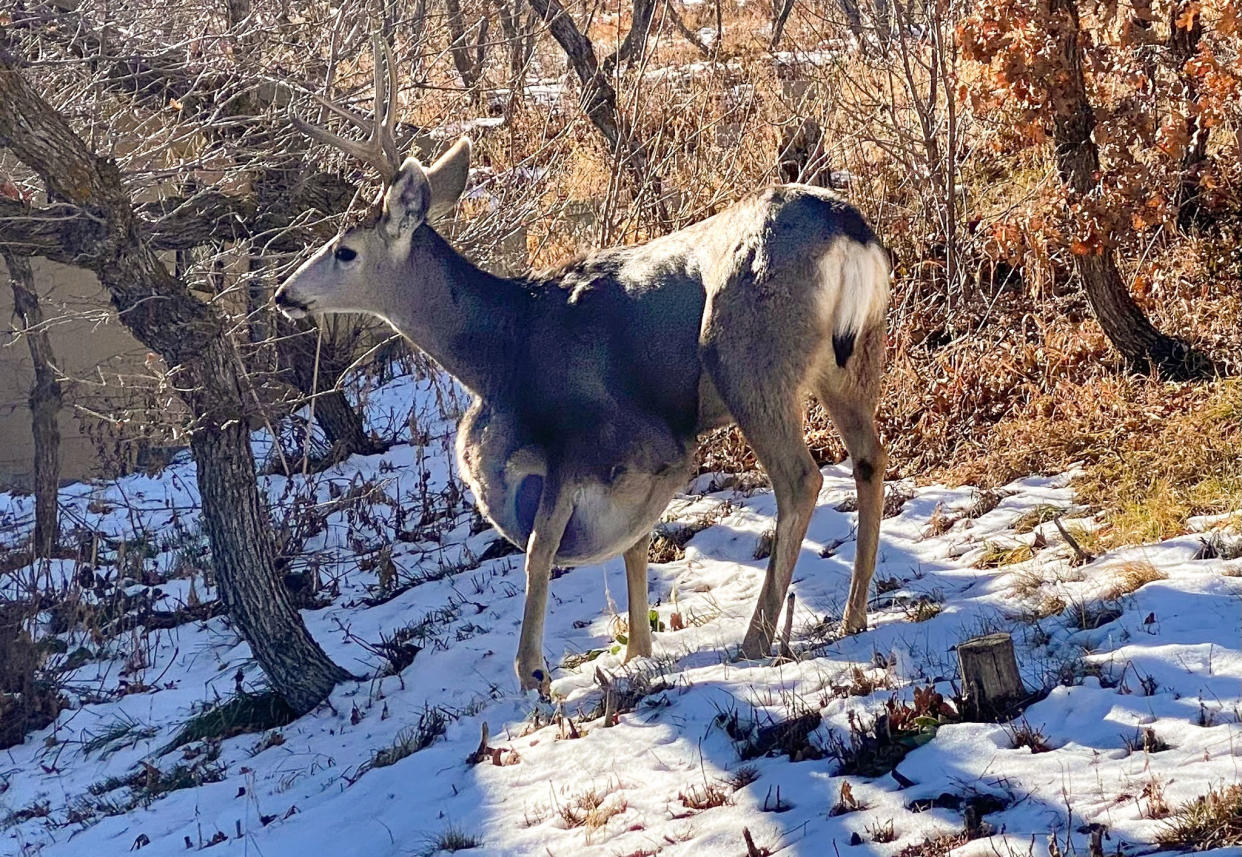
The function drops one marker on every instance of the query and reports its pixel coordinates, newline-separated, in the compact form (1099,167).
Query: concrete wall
(104,363)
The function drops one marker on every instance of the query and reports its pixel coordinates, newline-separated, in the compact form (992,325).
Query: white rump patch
(853,285)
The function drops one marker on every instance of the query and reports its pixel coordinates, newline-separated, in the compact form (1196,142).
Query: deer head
(357,270)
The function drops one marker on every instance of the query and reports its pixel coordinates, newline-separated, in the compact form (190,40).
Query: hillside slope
(1138,651)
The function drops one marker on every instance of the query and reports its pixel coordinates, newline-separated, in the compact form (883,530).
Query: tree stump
(990,680)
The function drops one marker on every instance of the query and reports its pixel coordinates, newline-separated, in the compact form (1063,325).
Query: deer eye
(344,254)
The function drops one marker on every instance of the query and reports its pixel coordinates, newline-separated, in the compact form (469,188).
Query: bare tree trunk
(45,402)
(241,547)
(635,38)
(1078,162)
(468,58)
(340,421)
(1183,45)
(780,16)
(194,341)
(599,99)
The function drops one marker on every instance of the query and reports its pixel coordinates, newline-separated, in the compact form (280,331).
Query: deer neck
(466,319)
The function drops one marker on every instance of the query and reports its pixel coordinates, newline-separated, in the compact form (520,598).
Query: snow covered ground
(1142,713)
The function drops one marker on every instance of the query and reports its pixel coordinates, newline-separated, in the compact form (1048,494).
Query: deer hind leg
(759,353)
(555,509)
(849,394)
(638,644)
(765,403)
(778,443)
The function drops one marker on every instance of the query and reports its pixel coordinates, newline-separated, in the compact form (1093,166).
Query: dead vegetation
(592,808)
(938,846)
(29,697)
(452,839)
(1145,740)
(999,555)
(758,733)
(1153,455)
(238,715)
(1211,821)
(699,797)
(742,777)
(846,802)
(1023,734)
(875,747)
(1129,577)
(432,723)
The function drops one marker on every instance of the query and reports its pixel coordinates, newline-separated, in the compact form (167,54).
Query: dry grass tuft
(998,555)
(1155,806)
(1130,576)
(1146,740)
(939,523)
(452,839)
(742,777)
(857,682)
(1041,514)
(924,608)
(939,846)
(1023,734)
(1088,616)
(1211,821)
(881,831)
(591,809)
(703,797)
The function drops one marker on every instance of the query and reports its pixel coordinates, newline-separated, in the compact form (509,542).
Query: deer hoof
(851,626)
(535,678)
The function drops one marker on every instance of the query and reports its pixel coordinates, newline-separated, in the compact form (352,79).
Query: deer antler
(380,148)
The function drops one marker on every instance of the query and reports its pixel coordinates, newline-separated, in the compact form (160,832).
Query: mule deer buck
(592,384)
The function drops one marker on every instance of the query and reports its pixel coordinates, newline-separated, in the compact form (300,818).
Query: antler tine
(380,148)
(343,112)
(368,152)
(381,84)
(386,128)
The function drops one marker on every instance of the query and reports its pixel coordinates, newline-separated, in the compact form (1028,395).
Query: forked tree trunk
(635,40)
(45,403)
(599,97)
(780,16)
(1078,162)
(193,339)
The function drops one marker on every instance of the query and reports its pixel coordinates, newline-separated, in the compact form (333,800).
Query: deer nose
(290,305)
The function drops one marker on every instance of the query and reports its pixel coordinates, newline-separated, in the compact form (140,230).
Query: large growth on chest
(624,468)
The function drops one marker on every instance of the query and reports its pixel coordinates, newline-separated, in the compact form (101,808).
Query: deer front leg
(555,508)
(639,644)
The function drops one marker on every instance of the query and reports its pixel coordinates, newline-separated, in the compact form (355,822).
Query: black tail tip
(843,347)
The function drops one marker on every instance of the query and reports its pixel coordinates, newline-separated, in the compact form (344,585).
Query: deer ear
(447,177)
(407,201)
